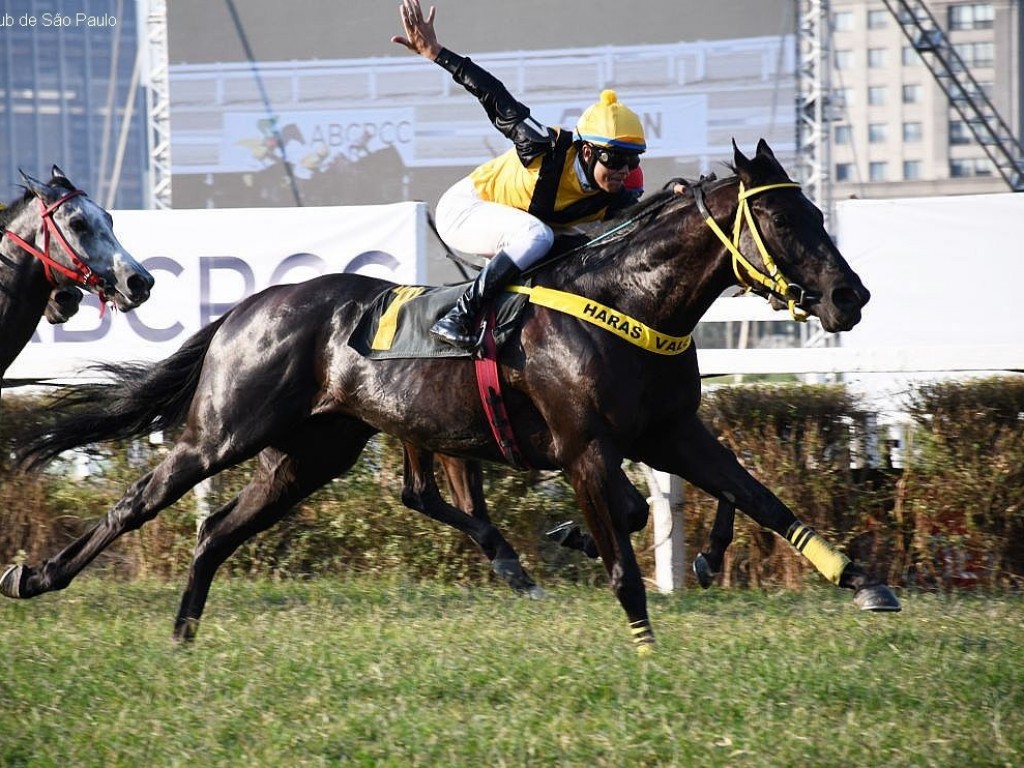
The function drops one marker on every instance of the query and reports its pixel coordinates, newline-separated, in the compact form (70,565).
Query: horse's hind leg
(469,514)
(708,564)
(176,474)
(281,480)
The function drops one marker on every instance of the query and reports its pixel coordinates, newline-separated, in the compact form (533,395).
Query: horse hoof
(702,570)
(878,598)
(507,568)
(645,649)
(185,630)
(511,571)
(566,534)
(10,582)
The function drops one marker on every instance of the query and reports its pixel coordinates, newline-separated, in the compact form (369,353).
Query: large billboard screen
(311,104)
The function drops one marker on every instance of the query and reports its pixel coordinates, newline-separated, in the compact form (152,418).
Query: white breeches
(471,225)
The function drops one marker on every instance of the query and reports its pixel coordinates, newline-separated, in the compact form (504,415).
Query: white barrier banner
(206,261)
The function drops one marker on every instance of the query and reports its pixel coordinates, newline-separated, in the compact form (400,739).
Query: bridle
(750,277)
(80,272)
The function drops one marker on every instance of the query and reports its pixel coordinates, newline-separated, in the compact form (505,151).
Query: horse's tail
(137,399)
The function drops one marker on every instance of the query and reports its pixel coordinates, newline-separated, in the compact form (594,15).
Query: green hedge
(951,516)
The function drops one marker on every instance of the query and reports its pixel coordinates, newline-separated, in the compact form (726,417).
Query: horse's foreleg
(608,502)
(143,501)
(281,480)
(700,458)
(709,564)
(465,480)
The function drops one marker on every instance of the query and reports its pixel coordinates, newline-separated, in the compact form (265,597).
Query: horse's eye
(79,225)
(780,220)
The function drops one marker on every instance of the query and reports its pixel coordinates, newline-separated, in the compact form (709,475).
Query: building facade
(893,130)
(69,96)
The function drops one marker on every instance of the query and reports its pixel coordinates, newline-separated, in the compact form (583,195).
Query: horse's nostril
(848,298)
(139,285)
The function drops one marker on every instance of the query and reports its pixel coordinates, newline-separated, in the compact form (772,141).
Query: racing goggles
(613,160)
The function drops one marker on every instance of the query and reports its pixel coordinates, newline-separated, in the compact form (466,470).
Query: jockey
(552,178)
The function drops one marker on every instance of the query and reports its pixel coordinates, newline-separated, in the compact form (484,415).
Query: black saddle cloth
(397,323)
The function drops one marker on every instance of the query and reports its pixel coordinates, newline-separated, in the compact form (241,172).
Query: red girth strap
(489,386)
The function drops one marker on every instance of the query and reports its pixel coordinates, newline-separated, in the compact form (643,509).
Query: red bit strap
(81,273)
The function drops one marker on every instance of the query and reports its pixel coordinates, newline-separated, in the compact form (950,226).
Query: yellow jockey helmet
(611,124)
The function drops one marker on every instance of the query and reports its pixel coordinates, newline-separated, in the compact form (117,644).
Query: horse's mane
(7,214)
(578,255)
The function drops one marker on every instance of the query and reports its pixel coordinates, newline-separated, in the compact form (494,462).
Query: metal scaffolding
(814,62)
(152,16)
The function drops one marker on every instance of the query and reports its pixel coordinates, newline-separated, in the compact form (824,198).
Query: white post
(201,491)
(666,502)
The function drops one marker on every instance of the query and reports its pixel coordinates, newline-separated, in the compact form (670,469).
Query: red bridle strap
(80,273)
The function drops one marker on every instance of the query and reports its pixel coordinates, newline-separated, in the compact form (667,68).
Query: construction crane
(964,93)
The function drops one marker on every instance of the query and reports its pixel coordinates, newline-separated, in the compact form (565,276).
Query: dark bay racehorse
(55,241)
(275,378)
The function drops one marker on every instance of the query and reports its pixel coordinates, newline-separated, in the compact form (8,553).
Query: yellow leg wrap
(643,637)
(822,555)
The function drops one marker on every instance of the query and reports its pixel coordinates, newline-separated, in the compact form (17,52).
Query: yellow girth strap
(611,320)
(772,278)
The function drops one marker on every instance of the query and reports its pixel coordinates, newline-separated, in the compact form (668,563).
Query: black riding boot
(458,327)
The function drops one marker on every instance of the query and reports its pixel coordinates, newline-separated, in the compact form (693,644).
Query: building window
(909,56)
(911,169)
(844,171)
(959,133)
(877,58)
(912,132)
(982,55)
(971,166)
(844,134)
(876,133)
(878,19)
(971,16)
(844,60)
(912,94)
(845,97)
(842,21)
(876,95)
(877,171)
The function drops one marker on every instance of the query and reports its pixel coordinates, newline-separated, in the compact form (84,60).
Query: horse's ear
(38,188)
(739,160)
(60,179)
(764,149)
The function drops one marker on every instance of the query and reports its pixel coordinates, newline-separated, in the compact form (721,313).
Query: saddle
(397,324)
